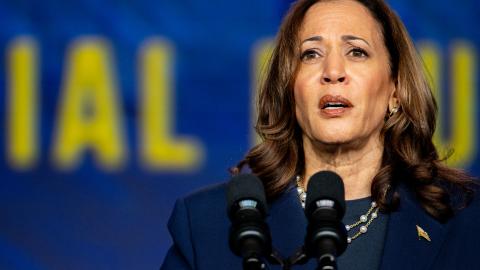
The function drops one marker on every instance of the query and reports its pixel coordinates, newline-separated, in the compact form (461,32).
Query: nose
(334,70)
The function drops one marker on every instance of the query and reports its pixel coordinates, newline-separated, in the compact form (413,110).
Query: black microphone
(249,234)
(326,236)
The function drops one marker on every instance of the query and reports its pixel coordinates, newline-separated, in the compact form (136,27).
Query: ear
(393,101)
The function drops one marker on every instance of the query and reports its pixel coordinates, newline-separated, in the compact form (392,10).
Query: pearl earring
(393,111)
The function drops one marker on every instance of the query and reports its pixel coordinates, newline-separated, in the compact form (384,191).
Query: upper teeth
(334,104)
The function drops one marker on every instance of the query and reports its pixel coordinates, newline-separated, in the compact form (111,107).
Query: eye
(309,56)
(358,53)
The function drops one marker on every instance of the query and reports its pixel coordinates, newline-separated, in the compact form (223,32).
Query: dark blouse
(364,252)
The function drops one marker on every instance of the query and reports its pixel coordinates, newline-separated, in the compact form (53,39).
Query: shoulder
(187,208)
(470,214)
(207,202)
(463,226)
(201,211)
(472,207)
(199,226)
(462,242)
(208,193)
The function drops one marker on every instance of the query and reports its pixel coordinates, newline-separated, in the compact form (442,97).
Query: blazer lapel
(288,226)
(406,245)
(287,223)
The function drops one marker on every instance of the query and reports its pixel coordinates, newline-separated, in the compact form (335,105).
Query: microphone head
(246,187)
(325,185)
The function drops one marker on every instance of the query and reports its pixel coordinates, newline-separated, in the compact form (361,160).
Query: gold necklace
(364,221)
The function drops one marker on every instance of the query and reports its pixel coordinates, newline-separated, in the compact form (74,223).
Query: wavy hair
(409,155)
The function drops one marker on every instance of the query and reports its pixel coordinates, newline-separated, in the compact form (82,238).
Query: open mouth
(334,105)
(329,102)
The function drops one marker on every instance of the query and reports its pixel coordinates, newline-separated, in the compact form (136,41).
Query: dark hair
(409,157)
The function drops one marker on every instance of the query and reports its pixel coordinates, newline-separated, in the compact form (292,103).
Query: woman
(345,92)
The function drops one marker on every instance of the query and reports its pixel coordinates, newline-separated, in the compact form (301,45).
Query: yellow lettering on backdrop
(431,57)
(89,113)
(22,103)
(262,52)
(463,122)
(159,149)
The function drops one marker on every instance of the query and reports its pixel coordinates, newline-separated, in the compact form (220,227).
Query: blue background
(89,218)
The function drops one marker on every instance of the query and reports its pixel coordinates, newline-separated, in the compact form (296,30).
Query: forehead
(342,17)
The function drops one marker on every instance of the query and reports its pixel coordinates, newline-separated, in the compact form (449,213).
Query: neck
(357,164)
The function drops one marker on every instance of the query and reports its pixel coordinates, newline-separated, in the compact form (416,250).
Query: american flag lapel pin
(423,234)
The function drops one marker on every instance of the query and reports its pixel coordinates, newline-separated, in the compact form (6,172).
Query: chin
(336,142)
(333,134)
(333,139)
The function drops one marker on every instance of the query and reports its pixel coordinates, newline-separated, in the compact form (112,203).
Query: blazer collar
(404,248)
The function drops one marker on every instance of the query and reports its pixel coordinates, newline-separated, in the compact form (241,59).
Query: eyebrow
(344,38)
(351,37)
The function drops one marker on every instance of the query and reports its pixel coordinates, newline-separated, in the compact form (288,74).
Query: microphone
(326,236)
(249,234)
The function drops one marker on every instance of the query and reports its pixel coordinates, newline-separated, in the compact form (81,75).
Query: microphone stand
(325,262)
(256,263)
(298,258)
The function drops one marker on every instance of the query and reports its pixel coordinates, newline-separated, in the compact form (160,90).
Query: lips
(334,102)
(334,106)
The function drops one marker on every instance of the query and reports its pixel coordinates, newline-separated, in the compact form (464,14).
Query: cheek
(377,103)
(299,105)
(304,88)
(302,97)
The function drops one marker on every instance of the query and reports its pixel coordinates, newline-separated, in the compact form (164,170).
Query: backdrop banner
(113,109)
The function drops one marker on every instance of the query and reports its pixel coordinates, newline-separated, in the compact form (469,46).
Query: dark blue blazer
(199,227)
